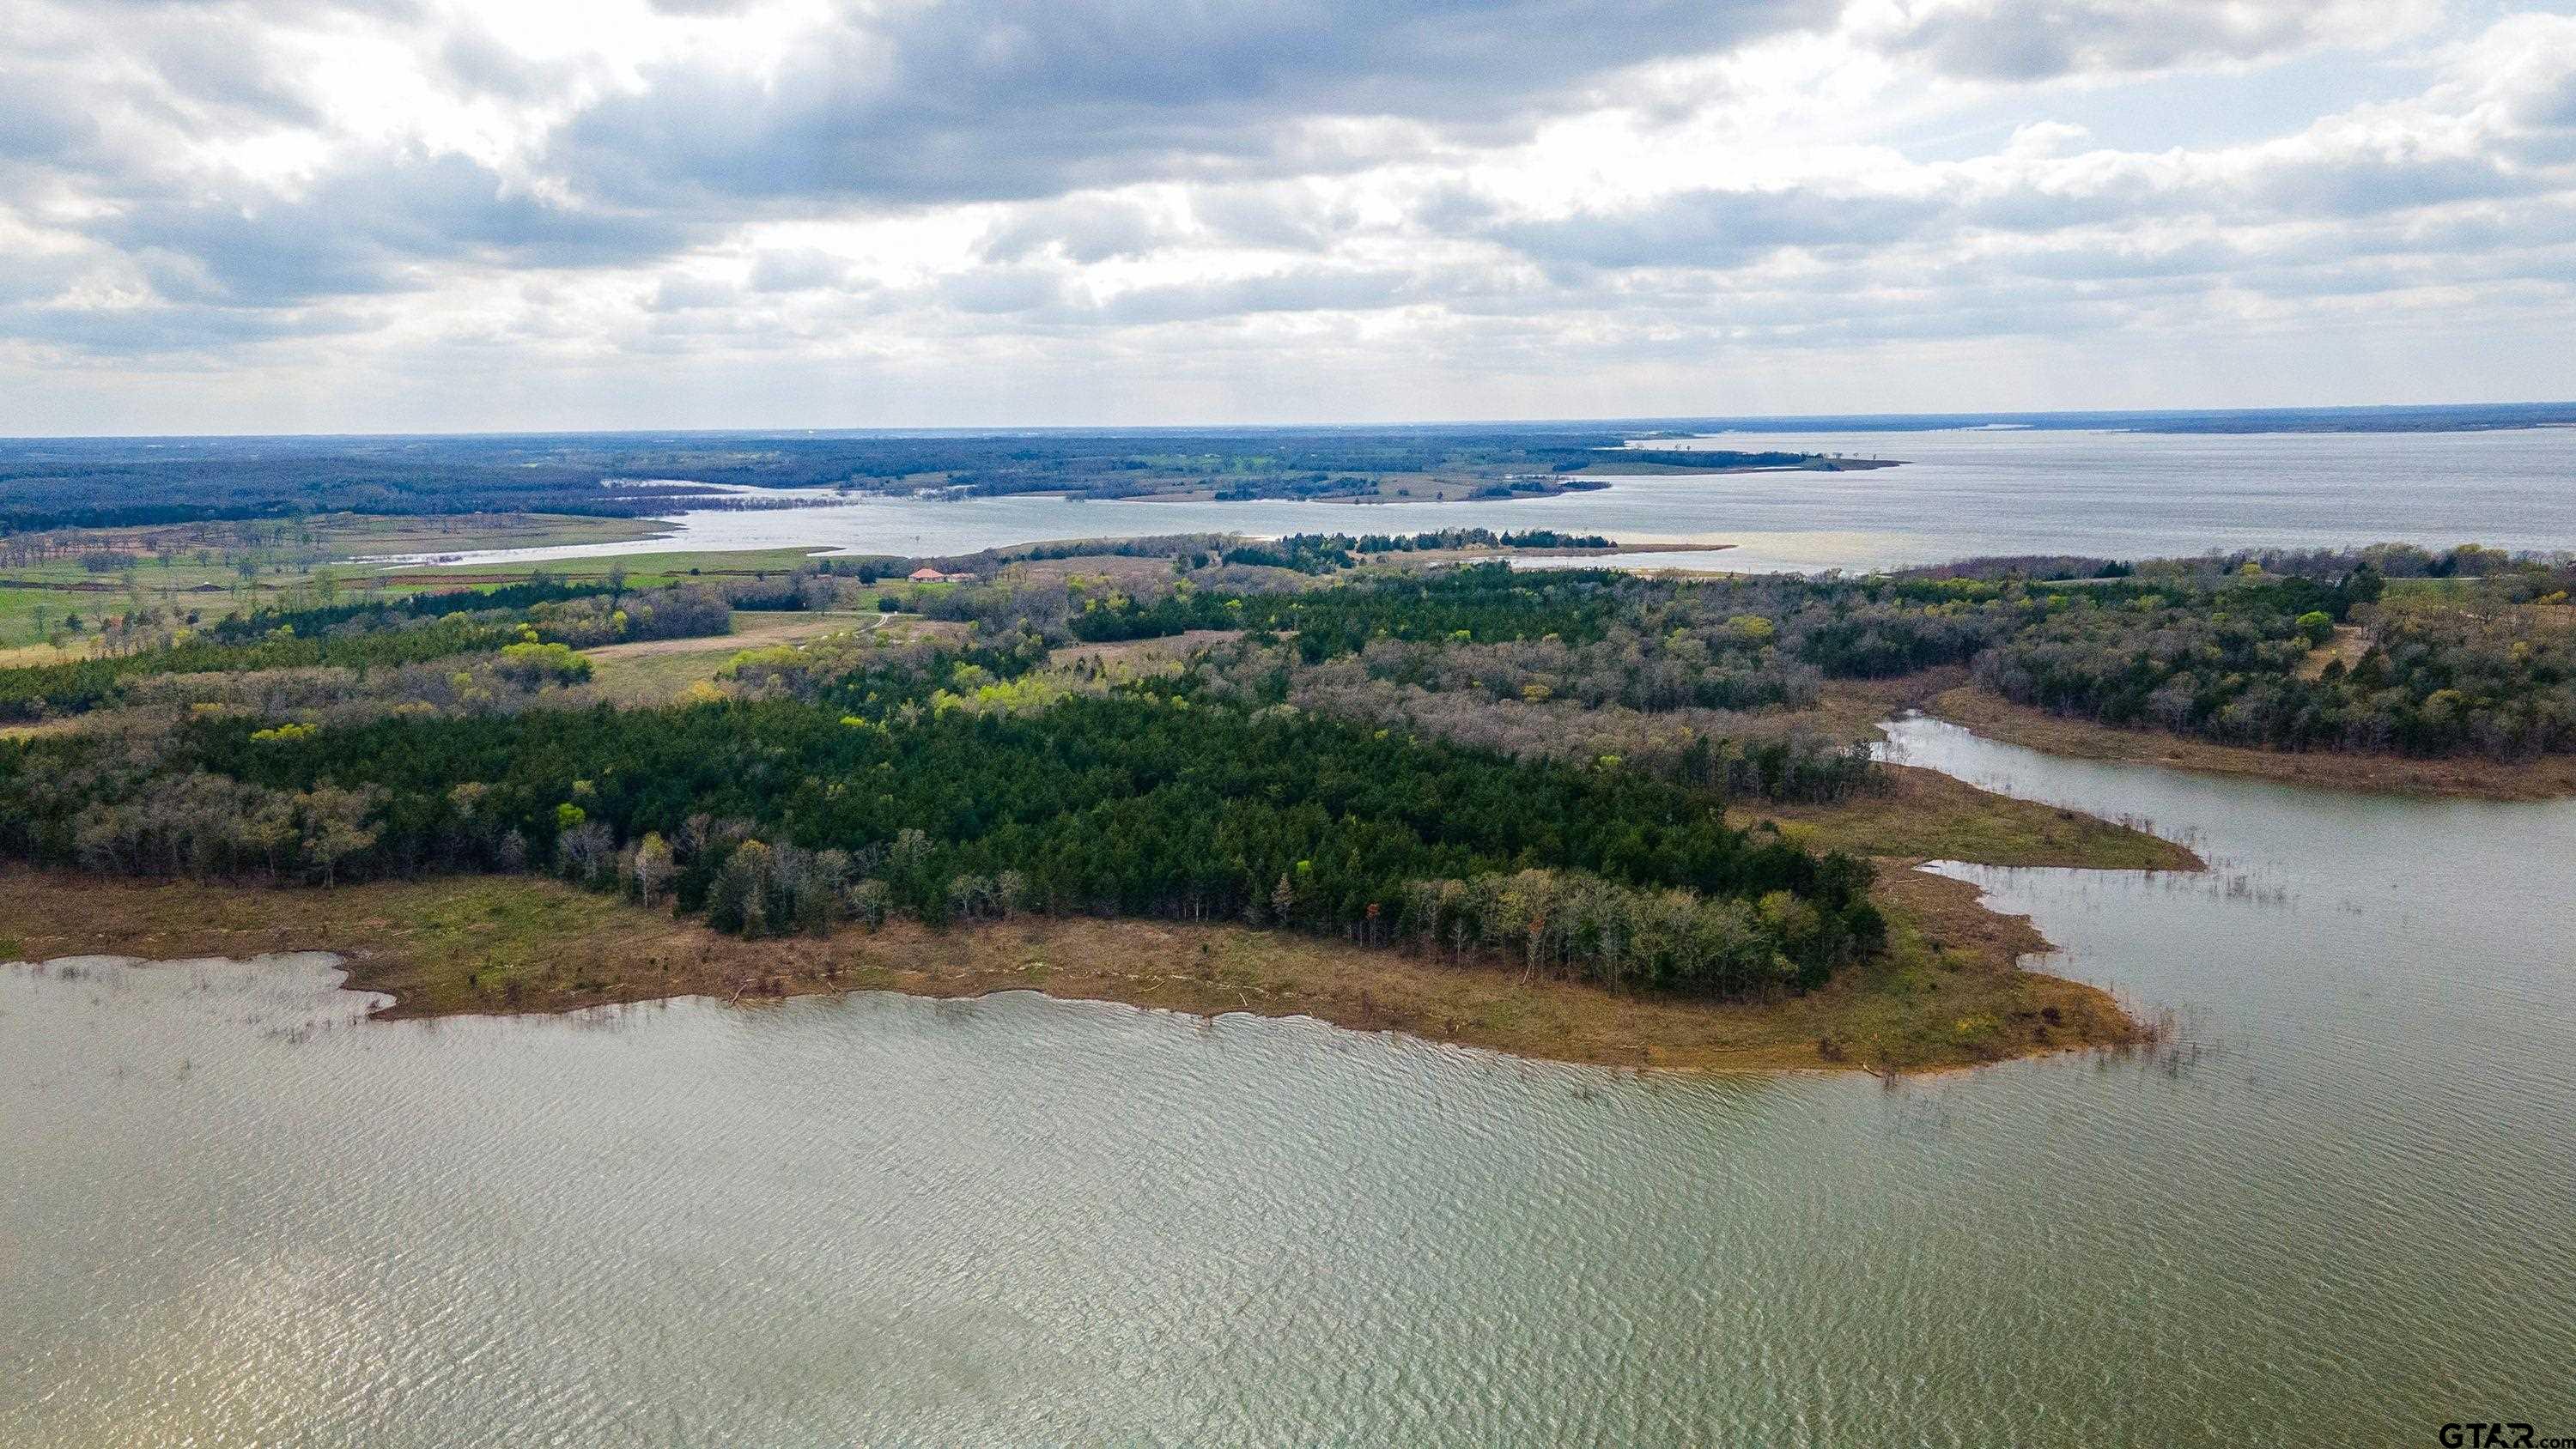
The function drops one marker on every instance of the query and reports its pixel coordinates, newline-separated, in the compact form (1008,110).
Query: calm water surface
(1962,492)
(2340,1207)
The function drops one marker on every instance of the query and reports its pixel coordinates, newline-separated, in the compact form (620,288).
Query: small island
(1566,470)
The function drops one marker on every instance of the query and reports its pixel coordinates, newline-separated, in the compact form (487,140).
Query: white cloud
(1115,210)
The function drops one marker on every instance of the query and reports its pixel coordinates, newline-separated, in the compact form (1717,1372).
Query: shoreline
(1855,707)
(1950,993)
(1592,478)
(2460,778)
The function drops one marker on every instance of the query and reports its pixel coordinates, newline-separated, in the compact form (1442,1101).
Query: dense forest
(783,816)
(2476,656)
(1468,760)
(850,780)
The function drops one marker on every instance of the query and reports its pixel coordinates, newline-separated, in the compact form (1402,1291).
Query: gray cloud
(2549,106)
(1287,216)
(479,64)
(1095,230)
(209,63)
(692,294)
(368,228)
(1718,229)
(1030,98)
(995,290)
(1122,184)
(46,120)
(2027,40)
(798,271)
(1723,230)
(150,330)
(2353,186)
(1308,291)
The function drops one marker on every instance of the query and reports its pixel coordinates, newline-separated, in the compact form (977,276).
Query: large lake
(1962,492)
(2339,1207)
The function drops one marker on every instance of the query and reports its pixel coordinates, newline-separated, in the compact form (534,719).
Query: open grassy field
(641,569)
(659,671)
(1926,815)
(213,569)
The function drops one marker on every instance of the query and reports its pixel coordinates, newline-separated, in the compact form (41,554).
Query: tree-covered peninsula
(1657,790)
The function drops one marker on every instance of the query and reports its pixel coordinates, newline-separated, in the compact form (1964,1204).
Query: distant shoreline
(1613,466)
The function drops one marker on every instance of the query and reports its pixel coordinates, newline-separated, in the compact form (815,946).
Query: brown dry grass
(1853,709)
(2348,645)
(1124,570)
(1926,815)
(64,725)
(750,631)
(22,656)
(1948,994)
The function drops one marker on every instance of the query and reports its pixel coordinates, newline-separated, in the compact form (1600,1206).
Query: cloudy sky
(299,215)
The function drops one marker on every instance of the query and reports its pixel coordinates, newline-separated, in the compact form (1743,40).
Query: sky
(259,216)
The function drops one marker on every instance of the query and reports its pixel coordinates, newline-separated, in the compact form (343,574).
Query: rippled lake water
(2338,1207)
(1962,492)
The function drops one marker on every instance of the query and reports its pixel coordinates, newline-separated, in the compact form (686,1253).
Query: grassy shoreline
(1926,815)
(1950,992)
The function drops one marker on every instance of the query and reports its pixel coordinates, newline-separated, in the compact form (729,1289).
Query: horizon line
(1745,422)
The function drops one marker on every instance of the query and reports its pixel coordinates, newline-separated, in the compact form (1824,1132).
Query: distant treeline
(1315,553)
(315,619)
(1698,458)
(67,483)
(41,490)
(1476,602)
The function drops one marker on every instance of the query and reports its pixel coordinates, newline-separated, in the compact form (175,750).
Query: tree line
(376,636)
(1125,804)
